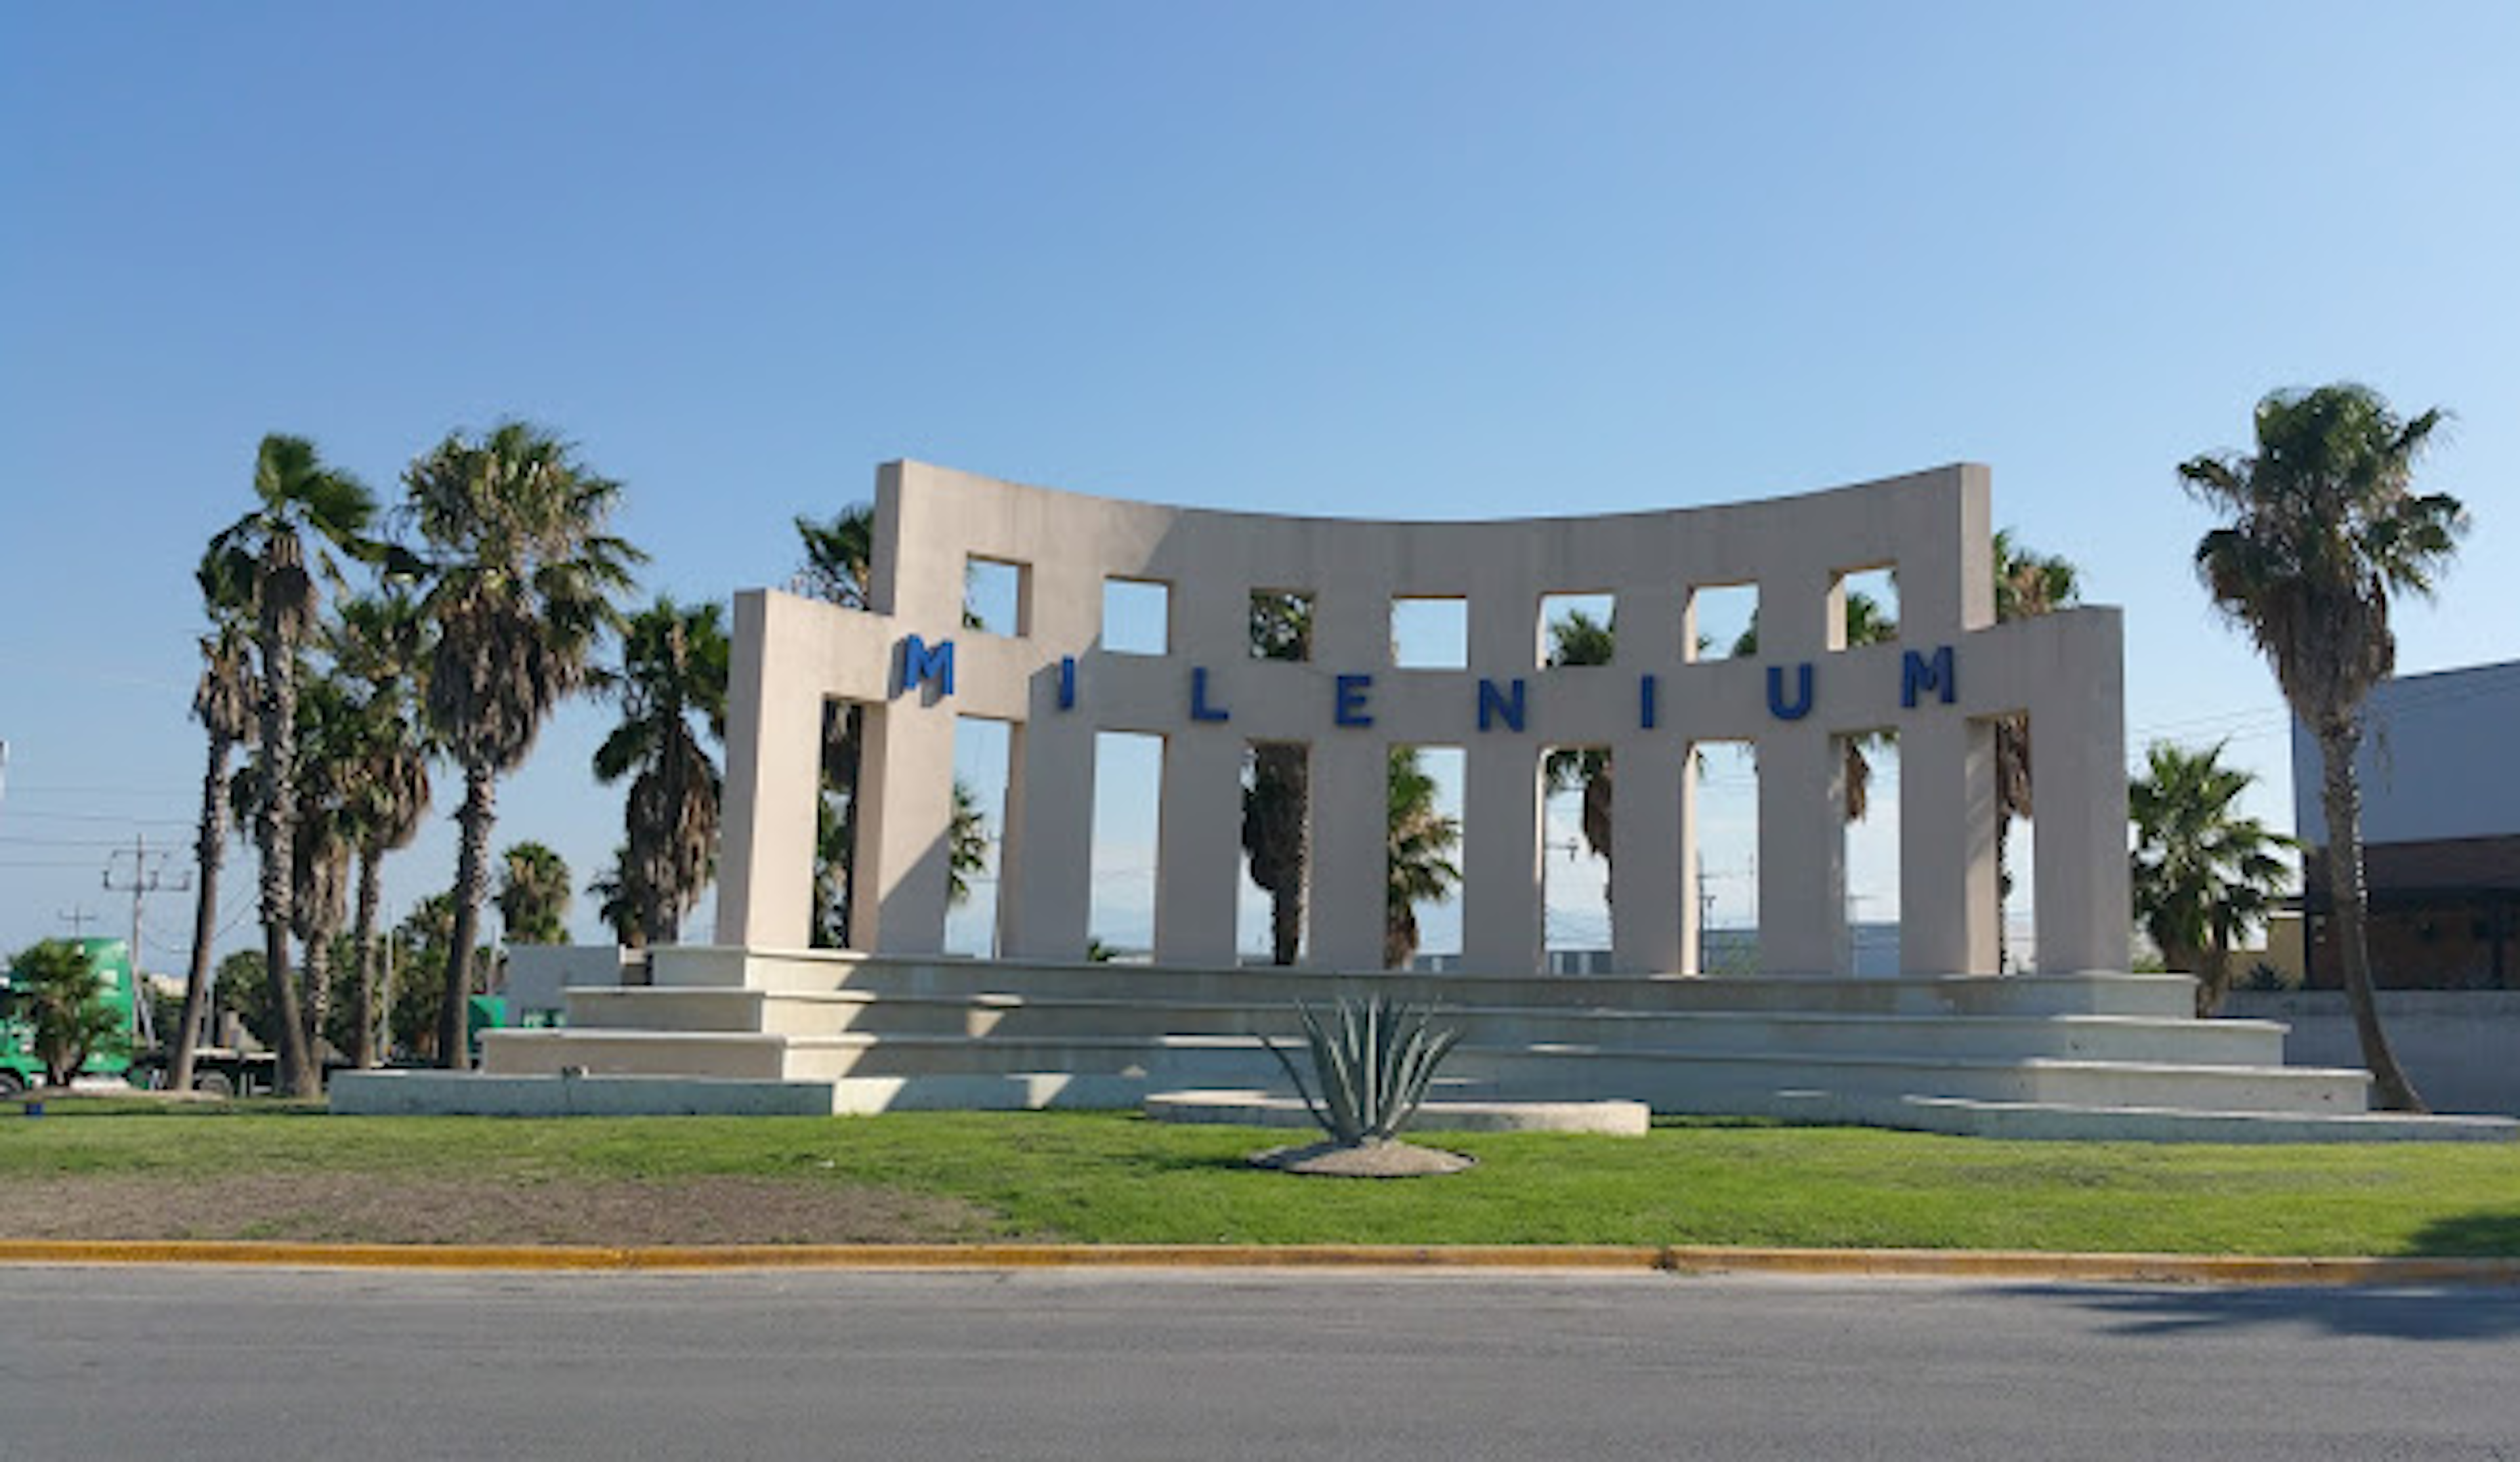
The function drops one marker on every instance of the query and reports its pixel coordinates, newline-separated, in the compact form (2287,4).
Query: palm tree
(1276,802)
(2323,524)
(521,582)
(270,559)
(381,645)
(616,899)
(2203,875)
(2027,584)
(533,895)
(674,666)
(320,856)
(223,702)
(966,844)
(1581,640)
(839,556)
(1420,864)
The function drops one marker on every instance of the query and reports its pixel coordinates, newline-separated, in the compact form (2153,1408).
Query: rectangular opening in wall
(1128,797)
(1869,608)
(1576,629)
(1575,866)
(975,843)
(995,595)
(1720,858)
(1721,622)
(1430,634)
(1282,624)
(1277,848)
(1871,779)
(1421,905)
(1137,616)
(838,799)
(2015,875)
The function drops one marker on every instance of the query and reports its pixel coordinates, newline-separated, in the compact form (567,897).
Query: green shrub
(1372,1061)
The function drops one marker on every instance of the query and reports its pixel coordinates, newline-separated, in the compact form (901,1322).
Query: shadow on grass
(2489,1235)
(2414,1312)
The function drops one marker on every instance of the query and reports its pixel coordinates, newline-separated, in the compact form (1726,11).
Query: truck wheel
(11,1084)
(214,1084)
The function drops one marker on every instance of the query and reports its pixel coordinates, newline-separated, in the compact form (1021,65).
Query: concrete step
(1669,1080)
(707,967)
(2067,1122)
(1000,1016)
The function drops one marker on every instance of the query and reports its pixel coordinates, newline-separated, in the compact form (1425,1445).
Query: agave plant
(1373,1060)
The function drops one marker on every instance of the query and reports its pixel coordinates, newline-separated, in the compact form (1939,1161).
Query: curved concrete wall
(1950,670)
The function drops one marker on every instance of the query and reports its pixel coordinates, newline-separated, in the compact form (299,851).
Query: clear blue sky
(1438,261)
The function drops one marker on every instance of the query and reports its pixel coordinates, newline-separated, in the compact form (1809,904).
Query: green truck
(109,959)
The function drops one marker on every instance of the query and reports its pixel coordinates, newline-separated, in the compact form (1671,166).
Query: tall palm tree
(2204,876)
(1420,856)
(380,645)
(305,515)
(521,581)
(616,900)
(533,895)
(223,702)
(2323,524)
(839,567)
(320,856)
(1276,803)
(2027,585)
(673,667)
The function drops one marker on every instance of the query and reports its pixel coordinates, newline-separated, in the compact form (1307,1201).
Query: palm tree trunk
(363,995)
(471,886)
(208,851)
(276,831)
(2341,799)
(319,989)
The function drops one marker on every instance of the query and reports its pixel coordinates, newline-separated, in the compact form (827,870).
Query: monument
(912,664)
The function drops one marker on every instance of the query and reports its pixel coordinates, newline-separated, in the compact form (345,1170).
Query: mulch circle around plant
(1364,1160)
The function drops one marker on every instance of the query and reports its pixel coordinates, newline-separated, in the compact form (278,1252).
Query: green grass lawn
(1106,1178)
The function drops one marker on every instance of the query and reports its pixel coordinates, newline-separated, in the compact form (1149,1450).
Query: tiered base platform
(2073,1055)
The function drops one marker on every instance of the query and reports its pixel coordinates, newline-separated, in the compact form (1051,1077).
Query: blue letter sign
(920,661)
(1348,706)
(1801,705)
(1919,673)
(1200,709)
(1495,705)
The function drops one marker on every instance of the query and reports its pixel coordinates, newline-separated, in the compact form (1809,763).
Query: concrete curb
(1899,1264)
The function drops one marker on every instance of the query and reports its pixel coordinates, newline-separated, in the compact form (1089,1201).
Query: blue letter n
(1495,705)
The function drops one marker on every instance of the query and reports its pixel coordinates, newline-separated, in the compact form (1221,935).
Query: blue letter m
(1917,674)
(922,661)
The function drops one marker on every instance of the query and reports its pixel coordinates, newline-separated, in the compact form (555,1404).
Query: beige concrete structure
(1208,696)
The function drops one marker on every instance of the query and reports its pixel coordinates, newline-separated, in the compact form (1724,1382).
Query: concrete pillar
(1351,788)
(1198,847)
(773,773)
(2079,800)
(1046,899)
(1802,851)
(1649,884)
(1501,880)
(1948,921)
(1692,912)
(906,777)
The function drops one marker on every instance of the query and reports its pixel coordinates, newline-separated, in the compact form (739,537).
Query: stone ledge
(1617,1118)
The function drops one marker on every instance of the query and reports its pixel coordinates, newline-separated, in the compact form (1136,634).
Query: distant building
(2441,833)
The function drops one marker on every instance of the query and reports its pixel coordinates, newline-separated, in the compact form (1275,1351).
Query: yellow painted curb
(1913,1263)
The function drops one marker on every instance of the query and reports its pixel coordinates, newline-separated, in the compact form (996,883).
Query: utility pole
(146,878)
(78,918)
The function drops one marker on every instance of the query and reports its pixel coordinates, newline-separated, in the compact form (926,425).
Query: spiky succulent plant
(1372,1060)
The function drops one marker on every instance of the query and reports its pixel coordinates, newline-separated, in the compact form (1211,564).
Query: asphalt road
(282,1364)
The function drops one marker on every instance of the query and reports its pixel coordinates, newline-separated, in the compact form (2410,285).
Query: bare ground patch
(364,1208)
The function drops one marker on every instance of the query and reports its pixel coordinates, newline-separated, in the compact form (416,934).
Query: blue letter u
(1801,706)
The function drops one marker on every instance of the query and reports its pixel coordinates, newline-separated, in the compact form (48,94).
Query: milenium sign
(1939,687)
